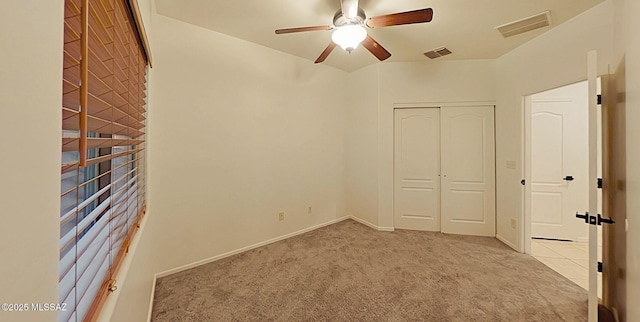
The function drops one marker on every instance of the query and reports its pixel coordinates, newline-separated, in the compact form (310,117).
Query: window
(103,133)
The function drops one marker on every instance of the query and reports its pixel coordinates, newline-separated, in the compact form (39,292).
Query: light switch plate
(511,164)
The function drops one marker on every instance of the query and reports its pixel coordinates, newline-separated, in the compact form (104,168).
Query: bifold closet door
(417,169)
(468,170)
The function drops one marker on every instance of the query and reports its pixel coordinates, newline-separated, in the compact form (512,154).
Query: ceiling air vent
(438,52)
(527,24)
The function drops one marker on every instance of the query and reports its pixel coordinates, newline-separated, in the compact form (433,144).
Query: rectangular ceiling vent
(438,52)
(527,24)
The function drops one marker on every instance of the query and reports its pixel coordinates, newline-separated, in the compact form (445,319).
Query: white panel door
(468,170)
(417,169)
(559,164)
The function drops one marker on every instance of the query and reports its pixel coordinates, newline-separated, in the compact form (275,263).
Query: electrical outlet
(281,216)
(513,223)
(310,209)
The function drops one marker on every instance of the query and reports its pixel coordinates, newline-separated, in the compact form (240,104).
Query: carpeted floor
(349,272)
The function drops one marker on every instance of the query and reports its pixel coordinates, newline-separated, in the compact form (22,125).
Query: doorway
(444,169)
(557,166)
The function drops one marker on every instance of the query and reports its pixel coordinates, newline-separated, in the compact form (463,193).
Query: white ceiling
(466,27)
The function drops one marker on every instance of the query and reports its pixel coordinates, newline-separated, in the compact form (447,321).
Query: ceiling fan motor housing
(340,20)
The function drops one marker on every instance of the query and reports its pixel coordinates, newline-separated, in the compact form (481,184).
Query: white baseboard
(506,242)
(250,247)
(366,223)
(362,221)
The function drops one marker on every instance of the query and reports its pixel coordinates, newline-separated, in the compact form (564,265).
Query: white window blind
(103,133)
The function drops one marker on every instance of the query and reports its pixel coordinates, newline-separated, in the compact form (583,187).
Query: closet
(444,169)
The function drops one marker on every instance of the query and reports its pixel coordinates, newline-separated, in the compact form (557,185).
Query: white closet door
(417,169)
(468,170)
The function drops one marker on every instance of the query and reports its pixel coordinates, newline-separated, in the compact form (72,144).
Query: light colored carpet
(349,272)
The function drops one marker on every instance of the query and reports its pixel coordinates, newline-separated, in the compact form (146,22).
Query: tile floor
(570,259)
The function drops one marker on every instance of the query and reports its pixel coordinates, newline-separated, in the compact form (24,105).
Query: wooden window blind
(103,148)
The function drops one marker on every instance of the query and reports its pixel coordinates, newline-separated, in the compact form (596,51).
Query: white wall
(362,147)
(556,58)
(30,96)
(422,82)
(627,45)
(238,133)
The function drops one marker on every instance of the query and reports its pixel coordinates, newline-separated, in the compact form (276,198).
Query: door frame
(433,105)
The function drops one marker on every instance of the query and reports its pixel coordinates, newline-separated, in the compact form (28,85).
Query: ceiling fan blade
(402,18)
(375,48)
(301,29)
(326,52)
(349,8)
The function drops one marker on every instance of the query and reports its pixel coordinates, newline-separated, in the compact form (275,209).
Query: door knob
(568,178)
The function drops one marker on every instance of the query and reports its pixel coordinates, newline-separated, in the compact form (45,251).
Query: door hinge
(593,220)
(599,183)
(522,182)
(599,267)
(599,99)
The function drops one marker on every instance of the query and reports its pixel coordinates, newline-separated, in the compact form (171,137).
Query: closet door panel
(417,169)
(468,170)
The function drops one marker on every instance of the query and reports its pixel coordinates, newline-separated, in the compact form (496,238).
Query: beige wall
(626,45)
(362,147)
(30,96)
(556,58)
(238,133)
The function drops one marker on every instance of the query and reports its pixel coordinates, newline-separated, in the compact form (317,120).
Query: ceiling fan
(349,24)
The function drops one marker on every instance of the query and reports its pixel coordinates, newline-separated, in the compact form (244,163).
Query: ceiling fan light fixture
(349,37)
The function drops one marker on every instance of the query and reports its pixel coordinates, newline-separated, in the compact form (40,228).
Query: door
(417,169)
(559,164)
(468,170)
